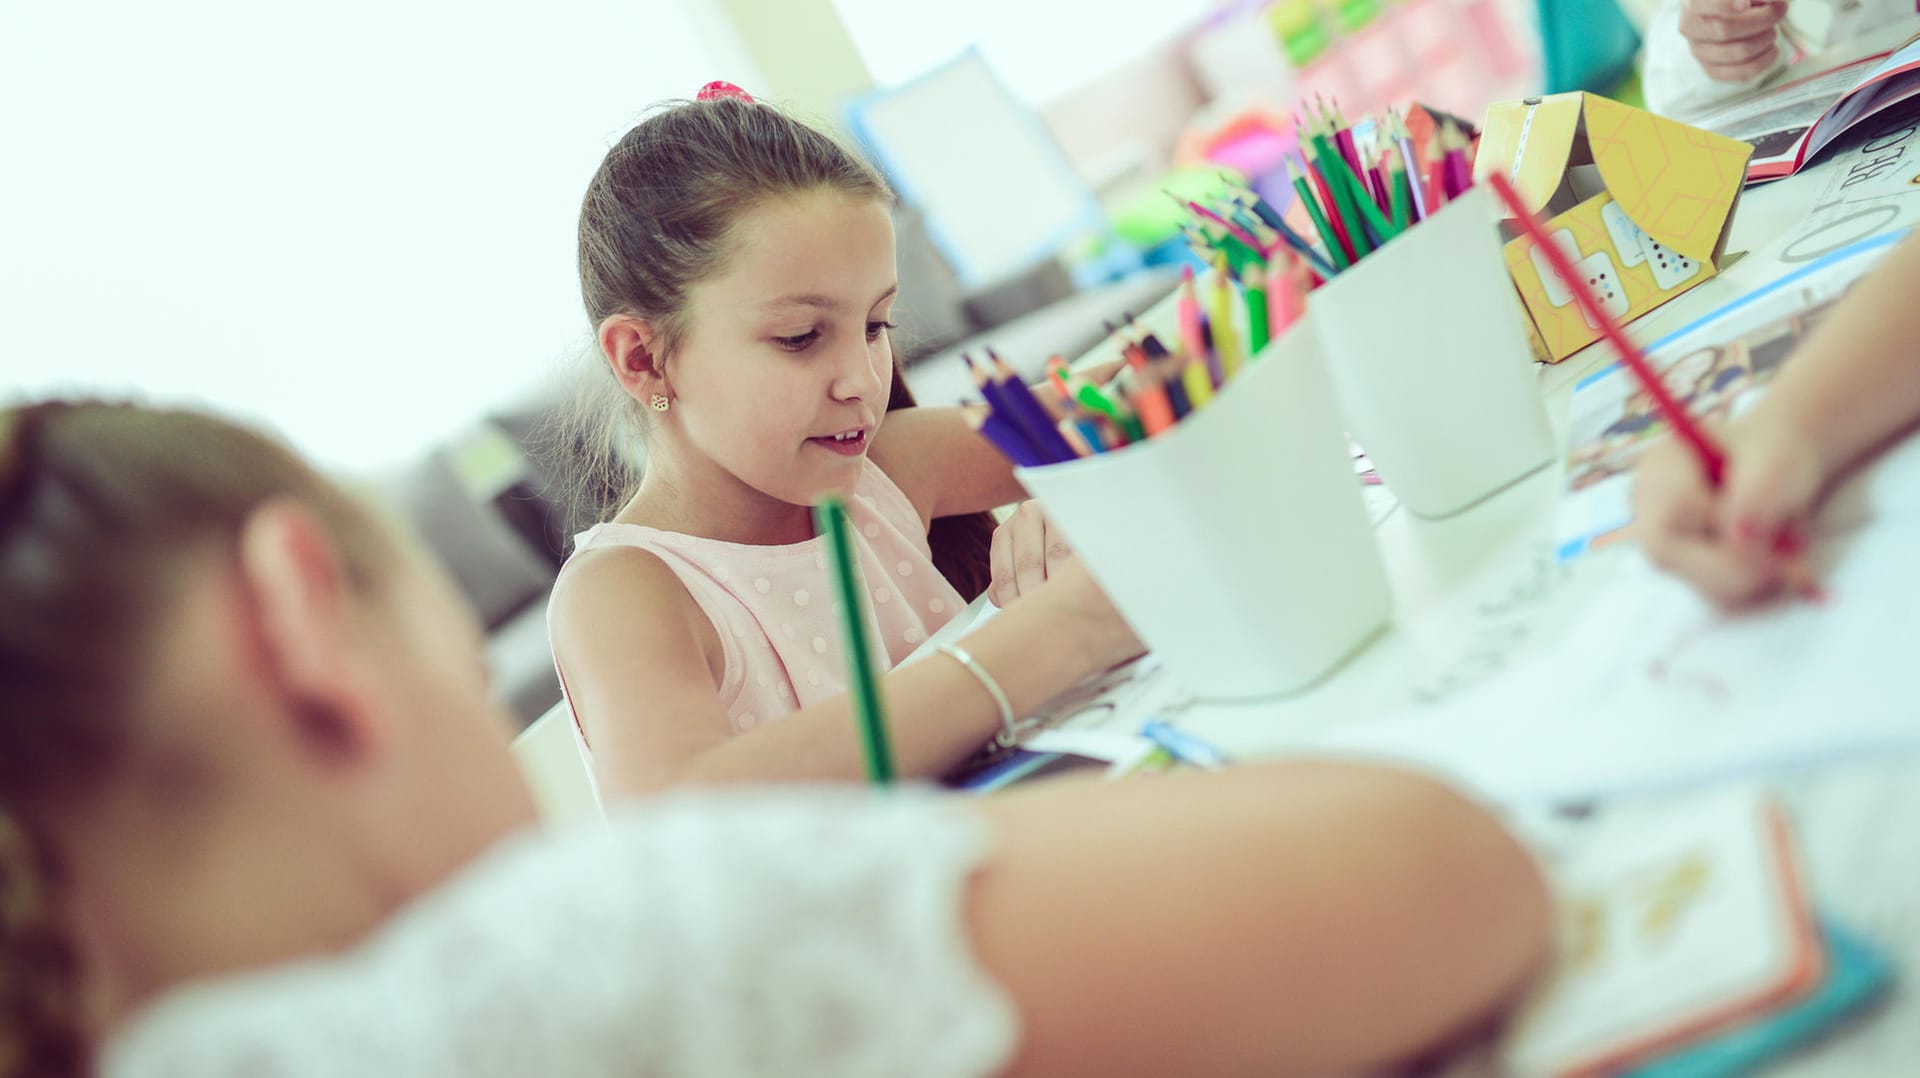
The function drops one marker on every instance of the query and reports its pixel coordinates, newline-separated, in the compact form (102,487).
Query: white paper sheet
(1652,688)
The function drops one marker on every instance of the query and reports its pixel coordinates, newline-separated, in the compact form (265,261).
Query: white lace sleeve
(796,933)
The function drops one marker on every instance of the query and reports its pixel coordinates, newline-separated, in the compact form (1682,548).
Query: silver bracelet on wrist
(960,655)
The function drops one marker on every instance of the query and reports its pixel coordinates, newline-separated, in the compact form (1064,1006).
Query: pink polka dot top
(773,606)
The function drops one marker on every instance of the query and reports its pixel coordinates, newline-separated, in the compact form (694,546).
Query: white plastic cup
(1426,344)
(1237,544)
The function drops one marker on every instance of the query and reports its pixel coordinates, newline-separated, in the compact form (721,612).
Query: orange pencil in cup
(1057,371)
(1149,396)
(1436,168)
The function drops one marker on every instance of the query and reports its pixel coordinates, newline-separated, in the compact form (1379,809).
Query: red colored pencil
(1234,230)
(1436,175)
(1378,185)
(1343,139)
(1331,207)
(1459,172)
(1713,460)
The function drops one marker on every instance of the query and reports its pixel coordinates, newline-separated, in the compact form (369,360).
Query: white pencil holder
(1237,544)
(1426,344)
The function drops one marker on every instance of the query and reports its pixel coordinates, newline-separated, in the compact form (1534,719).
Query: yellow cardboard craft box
(1639,203)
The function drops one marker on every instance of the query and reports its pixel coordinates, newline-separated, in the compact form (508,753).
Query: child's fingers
(1741,72)
(1671,496)
(1769,494)
(1019,554)
(1758,49)
(1030,565)
(1725,20)
(1674,511)
(1001,592)
(1734,40)
(1718,572)
(1057,549)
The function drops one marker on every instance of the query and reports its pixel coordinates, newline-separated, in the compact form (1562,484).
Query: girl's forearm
(1296,918)
(938,712)
(1856,383)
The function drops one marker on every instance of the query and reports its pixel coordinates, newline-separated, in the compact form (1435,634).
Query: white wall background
(1040,48)
(353,222)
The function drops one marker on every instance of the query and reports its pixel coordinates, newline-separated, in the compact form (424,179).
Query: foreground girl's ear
(631,346)
(302,609)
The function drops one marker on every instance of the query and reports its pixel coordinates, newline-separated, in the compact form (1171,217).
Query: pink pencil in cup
(1287,296)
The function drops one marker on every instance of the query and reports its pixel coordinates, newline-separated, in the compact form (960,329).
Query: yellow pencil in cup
(1220,307)
(1196,380)
(863,681)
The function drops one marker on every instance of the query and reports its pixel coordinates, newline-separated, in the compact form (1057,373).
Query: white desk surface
(1464,589)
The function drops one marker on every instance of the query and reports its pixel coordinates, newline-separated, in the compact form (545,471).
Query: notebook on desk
(1790,124)
(1673,927)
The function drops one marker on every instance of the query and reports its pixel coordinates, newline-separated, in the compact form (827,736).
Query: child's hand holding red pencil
(1758,511)
(1745,540)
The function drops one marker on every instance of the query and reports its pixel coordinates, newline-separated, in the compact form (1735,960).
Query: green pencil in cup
(863,682)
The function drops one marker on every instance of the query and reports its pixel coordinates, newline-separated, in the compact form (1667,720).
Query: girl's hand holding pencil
(1763,524)
(1744,540)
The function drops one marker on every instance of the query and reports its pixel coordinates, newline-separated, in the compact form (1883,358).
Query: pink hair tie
(717,89)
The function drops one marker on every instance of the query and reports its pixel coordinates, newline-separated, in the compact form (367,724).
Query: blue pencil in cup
(1183,746)
(1014,403)
(863,681)
(1028,408)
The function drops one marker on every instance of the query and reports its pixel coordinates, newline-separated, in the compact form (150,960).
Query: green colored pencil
(830,518)
(1320,222)
(1402,196)
(1340,181)
(1254,285)
(1365,201)
(1092,399)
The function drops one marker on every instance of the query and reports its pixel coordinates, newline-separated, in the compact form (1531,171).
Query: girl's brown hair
(655,221)
(99,506)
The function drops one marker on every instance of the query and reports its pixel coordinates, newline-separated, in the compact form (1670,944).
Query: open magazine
(1717,368)
(1790,124)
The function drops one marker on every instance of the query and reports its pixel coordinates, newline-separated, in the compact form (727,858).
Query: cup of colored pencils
(1162,381)
(1427,346)
(1211,493)
(1359,186)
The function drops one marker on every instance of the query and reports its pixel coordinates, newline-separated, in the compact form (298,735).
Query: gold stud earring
(659,402)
